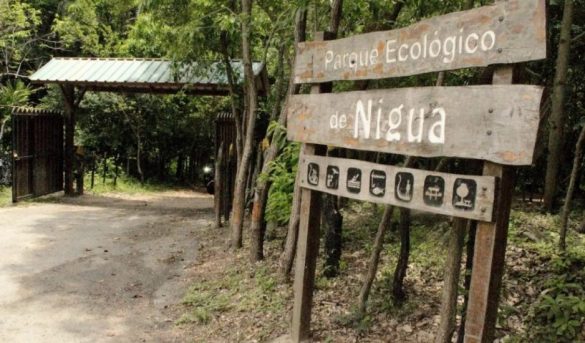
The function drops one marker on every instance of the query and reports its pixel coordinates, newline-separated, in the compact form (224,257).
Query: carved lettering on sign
(495,123)
(510,31)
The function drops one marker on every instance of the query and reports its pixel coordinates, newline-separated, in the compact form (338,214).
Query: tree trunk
(374,259)
(233,95)
(400,272)
(376,251)
(138,157)
(239,204)
(470,252)
(290,246)
(116,171)
(570,190)
(451,281)
(179,174)
(218,185)
(3,126)
(262,187)
(557,116)
(93,166)
(105,169)
(281,83)
(331,216)
(581,228)
(333,221)
(336,13)
(258,224)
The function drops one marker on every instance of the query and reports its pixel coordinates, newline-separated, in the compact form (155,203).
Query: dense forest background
(170,139)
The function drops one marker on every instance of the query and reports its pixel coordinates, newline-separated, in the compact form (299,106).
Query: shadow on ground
(98,269)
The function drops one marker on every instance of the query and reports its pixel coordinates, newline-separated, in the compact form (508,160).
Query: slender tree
(331,215)
(570,190)
(558,116)
(448,322)
(251,92)
(290,245)
(262,185)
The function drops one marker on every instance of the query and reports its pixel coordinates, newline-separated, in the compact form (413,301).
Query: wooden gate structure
(226,160)
(76,76)
(497,124)
(37,138)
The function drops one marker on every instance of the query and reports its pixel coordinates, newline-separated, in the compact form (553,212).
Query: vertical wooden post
(490,249)
(218,184)
(70,108)
(308,239)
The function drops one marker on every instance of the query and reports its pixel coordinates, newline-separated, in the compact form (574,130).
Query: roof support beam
(72,102)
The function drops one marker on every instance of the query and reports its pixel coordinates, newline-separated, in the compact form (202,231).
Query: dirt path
(98,269)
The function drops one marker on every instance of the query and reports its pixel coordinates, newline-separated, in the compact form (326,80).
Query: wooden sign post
(308,240)
(497,124)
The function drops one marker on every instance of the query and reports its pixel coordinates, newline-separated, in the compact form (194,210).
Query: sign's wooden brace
(308,238)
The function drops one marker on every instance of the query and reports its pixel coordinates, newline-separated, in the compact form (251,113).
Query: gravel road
(98,269)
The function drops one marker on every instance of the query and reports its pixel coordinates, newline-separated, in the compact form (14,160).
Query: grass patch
(5,196)
(125,185)
(242,290)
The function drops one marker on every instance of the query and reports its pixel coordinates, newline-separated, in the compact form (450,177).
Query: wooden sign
(510,31)
(462,196)
(494,123)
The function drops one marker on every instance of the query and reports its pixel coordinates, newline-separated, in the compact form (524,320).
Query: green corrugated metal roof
(140,74)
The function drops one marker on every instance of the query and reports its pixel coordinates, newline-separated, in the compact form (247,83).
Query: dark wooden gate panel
(37,138)
(225,132)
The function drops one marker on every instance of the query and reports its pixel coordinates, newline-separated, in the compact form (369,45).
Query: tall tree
(558,117)
(569,197)
(239,202)
(290,245)
(331,215)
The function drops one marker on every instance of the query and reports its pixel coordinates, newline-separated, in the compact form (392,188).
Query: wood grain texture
(444,201)
(308,240)
(490,249)
(508,32)
(494,123)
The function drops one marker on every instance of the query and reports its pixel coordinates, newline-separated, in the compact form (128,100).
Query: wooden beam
(68,92)
(490,249)
(308,242)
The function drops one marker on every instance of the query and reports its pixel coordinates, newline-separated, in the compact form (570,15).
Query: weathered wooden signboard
(510,31)
(497,124)
(461,195)
(494,123)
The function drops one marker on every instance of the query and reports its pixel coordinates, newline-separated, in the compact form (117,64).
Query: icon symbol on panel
(464,194)
(332,181)
(354,180)
(404,186)
(313,174)
(434,190)
(378,183)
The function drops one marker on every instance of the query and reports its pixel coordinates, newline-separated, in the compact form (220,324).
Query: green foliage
(13,94)
(123,184)
(559,313)
(281,174)
(18,25)
(235,291)
(95,27)
(5,196)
